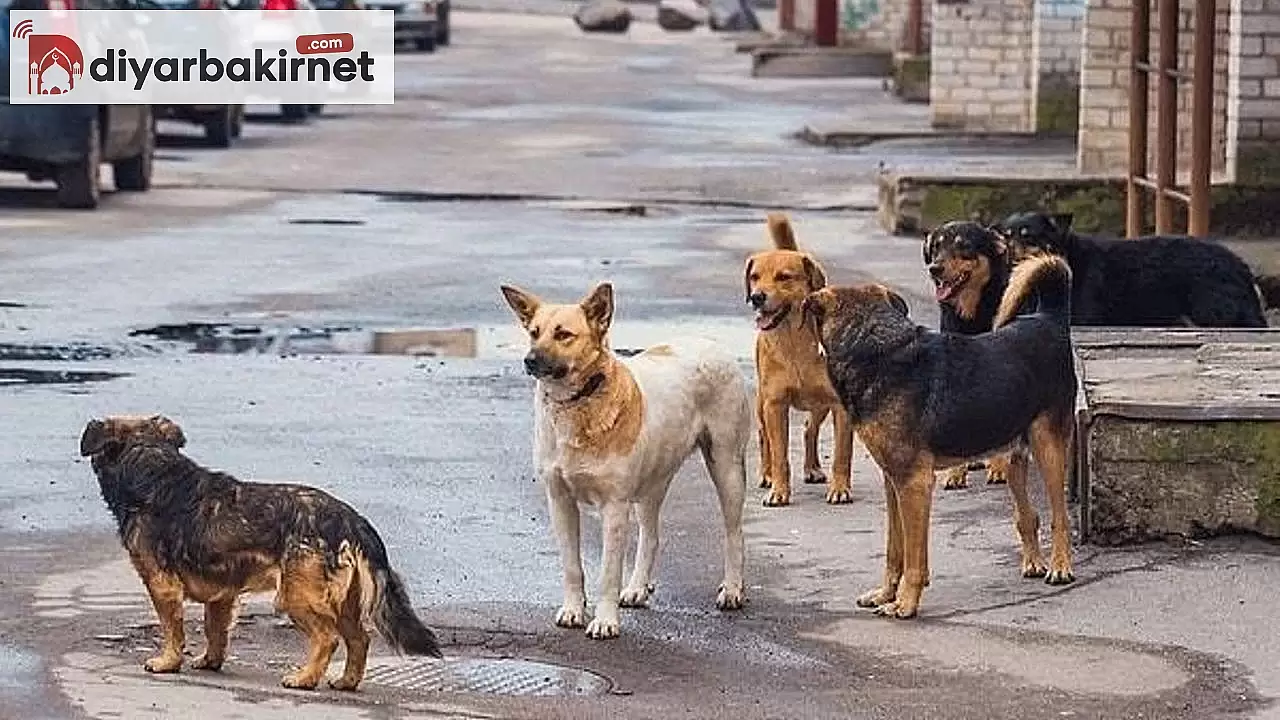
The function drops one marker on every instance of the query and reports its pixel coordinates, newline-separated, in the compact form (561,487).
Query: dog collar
(593,384)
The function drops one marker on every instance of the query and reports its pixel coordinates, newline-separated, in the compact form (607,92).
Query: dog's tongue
(944,292)
(762,321)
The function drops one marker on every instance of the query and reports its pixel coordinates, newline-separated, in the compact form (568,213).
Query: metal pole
(1202,117)
(1139,84)
(1167,114)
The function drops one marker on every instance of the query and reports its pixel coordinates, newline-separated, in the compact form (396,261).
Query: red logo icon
(54,62)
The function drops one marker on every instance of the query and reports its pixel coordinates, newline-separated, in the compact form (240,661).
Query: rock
(603,16)
(680,15)
(732,16)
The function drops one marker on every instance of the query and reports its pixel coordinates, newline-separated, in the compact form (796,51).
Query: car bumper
(415,27)
(51,134)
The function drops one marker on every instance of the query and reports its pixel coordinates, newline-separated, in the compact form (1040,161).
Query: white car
(277,35)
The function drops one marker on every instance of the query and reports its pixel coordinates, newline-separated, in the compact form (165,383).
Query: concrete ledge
(752,41)
(846,136)
(813,62)
(911,204)
(1181,435)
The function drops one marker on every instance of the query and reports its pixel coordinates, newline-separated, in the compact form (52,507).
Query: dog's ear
(1062,221)
(813,271)
(746,279)
(525,304)
(815,305)
(897,302)
(598,307)
(94,439)
(168,430)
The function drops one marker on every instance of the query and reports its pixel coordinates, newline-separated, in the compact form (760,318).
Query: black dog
(1154,281)
(923,401)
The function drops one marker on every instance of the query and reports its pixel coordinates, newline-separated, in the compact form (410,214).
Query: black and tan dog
(923,401)
(969,265)
(201,535)
(1154,281)
(790,372)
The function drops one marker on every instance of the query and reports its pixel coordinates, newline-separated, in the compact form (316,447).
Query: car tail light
(279,5)
(207,5)
(58,5)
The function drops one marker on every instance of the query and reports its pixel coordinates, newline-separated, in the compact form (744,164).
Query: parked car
(69,143)
(267,35)
(221,123)
(425,23)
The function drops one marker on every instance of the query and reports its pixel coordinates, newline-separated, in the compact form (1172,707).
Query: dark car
(221,123)
(68,143)
(424,23)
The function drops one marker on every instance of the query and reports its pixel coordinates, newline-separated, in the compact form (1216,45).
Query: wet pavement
(321,306)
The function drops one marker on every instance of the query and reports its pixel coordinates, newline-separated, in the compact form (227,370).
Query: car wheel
(78,185)
(294,113)
(427,43)
(134,174)
(442,24)
(237,122)
(220,129)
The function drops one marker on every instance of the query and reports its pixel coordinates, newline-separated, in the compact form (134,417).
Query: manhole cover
(491,676)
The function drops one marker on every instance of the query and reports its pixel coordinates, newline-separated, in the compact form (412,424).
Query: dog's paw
(1060,576)
(897,610)
(1034,568)
(957,479)
(635,597)
(571,616)
(815,477)
(163,664)
(730,599)
(875,598)
(344,684)
(778,498)
(839,496)
(764,482)
(602,628)
(299,681)
(204,662)
(998,474)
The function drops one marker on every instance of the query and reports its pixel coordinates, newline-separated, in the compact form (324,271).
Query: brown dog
(790,371)
(197,534)
(925,401)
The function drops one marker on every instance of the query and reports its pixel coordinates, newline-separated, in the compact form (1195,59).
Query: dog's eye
(533,333)
(561,335)
(755,277)
(785,277)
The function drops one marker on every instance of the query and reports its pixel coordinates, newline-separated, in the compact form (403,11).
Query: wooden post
(826,23)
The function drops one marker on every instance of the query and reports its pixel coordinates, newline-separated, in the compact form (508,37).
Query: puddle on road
(27,376)
(70,352)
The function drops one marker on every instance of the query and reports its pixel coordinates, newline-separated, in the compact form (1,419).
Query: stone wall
(1056,42)
(982,66)
(879,24)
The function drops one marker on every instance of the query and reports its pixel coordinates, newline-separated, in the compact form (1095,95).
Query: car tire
(316,110)
(294,113)
(427,43)
(134,174)
(220,129)
(78,183)
(442,24)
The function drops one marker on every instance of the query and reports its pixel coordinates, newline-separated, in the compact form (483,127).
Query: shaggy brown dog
(790,371)
(196,534)
(924,401)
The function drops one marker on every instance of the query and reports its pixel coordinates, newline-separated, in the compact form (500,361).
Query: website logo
(54,62)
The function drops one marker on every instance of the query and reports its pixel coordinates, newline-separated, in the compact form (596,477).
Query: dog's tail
(1046,278)
(1268,287)
(386,602)
(781,232)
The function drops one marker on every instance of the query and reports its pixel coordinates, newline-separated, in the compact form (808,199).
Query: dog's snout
(533,364)
(757,299)
(935,271)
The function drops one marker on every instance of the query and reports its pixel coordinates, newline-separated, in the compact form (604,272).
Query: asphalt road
(531,154)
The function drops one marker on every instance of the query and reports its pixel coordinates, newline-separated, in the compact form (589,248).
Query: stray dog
(790,371)
(969,265)
(922,401)
(1154,281)
(197,534)
(613,434)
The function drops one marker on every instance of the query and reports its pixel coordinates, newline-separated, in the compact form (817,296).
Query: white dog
(613,434)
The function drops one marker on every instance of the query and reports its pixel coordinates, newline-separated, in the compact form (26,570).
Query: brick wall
(880,24)
(1104,95)
(981,66)
(1253,91)
(1056,42)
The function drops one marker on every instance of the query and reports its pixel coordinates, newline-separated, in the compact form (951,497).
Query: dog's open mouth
(770,319)
(947,289)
